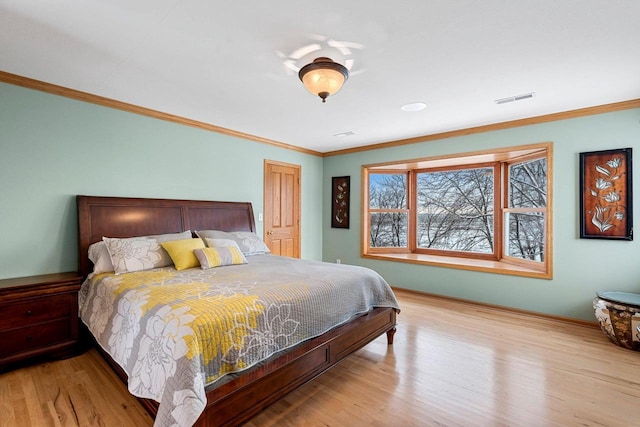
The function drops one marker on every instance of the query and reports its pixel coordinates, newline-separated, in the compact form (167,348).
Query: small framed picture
(340,191)
(605,195)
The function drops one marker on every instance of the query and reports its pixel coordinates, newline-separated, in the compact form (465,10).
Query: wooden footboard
(239,400)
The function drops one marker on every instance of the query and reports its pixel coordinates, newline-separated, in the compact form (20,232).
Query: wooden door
(282,208)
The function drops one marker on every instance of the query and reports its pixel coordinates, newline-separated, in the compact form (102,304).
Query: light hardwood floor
(452,364)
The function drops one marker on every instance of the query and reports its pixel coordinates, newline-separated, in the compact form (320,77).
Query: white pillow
(99,256)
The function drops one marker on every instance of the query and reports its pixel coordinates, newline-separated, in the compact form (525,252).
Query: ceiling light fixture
(323,77)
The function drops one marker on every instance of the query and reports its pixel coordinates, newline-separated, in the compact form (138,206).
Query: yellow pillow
(181,252)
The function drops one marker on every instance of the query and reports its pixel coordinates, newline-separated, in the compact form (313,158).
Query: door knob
(269,233)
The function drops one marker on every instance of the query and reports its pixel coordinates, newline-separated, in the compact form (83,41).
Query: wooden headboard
(130,217)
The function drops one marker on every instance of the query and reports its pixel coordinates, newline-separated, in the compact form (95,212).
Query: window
(388,210)
(456,210)
(484,211)
(525,214)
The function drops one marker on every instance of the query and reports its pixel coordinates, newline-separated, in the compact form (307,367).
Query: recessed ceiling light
(343,134)
(414,106)
(515,98)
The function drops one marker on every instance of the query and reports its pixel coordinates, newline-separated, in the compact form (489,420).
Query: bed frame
(237,401)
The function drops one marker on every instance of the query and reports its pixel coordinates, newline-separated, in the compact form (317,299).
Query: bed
(230,396)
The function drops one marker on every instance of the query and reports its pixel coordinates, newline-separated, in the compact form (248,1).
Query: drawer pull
(28,313)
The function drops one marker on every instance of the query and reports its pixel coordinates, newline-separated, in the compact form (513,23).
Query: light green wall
(581,267)
(53,148)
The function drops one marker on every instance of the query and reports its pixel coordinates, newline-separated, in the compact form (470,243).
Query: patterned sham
(134,254)
(248,241)
(101,259)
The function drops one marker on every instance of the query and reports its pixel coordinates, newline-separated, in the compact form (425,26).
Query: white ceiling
(223,62)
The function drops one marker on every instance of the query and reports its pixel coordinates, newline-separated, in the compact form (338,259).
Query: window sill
(497,267)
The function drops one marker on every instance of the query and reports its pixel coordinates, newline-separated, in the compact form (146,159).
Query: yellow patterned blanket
(174,332)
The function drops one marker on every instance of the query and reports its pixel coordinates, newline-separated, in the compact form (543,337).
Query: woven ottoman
(619,316)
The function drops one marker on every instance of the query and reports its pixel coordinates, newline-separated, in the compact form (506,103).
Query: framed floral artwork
(340,190)
(605,195)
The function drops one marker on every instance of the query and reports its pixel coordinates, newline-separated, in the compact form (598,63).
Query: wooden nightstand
(38,317)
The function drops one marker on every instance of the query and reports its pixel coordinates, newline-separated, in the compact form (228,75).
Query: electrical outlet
(338,261)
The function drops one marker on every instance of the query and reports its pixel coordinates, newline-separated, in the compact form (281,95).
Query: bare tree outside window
(526,210)
(455,210)
(388,213)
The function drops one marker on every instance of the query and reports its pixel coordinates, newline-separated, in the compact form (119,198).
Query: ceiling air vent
(515,98)
(343,134)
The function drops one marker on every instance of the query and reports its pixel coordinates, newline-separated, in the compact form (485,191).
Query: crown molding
(572,114)
(39,85)
(51,88)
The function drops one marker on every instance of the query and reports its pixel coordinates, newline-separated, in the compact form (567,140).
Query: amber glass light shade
(323,77)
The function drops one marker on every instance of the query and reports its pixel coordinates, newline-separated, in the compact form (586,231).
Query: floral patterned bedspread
(175,332)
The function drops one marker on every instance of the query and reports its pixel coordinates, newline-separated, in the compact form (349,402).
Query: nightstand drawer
(33,337)
(35,310)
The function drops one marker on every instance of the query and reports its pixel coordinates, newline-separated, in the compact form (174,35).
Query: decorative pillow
(214,234)
(99,256)
(219,256)
(248,241)
(101,259)
(221,243)
(133,254)
(181,252)
(160,238)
